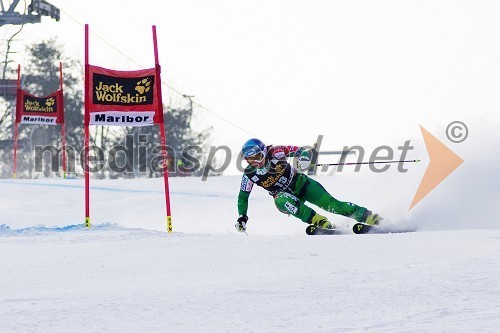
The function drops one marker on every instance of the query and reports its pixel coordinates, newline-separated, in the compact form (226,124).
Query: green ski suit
(292,189)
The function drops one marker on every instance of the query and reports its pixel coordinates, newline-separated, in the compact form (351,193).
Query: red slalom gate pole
(86,130)
(63,130)
(162,134)
(14,166)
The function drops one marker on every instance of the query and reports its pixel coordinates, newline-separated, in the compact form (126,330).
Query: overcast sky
(357,72)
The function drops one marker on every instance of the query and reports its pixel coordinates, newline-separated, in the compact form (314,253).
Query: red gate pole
(86,119)
(162,134)
(14,167)
(63,131)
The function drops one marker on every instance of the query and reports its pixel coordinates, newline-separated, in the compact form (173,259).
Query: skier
(268,168)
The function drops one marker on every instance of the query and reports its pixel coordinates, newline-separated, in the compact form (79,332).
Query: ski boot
(371,218)
(321,222)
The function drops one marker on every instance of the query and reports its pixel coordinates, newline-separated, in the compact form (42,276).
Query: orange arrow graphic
(442,163)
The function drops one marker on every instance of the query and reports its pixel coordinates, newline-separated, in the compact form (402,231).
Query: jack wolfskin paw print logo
(143,86)
(50,101)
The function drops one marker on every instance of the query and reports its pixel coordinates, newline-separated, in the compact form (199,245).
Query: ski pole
(359,163)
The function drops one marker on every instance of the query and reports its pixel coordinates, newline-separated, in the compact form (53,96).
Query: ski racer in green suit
(268,167)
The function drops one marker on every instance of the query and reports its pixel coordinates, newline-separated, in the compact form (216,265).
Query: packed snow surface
(126,274)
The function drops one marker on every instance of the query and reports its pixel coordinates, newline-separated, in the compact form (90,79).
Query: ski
(362,228)
(314,230)
(359,228)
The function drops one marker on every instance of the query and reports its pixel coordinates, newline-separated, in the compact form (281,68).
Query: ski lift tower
(36,10)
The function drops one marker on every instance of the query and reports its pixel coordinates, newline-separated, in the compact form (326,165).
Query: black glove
(241,224)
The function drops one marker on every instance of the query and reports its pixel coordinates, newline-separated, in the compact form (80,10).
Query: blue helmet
(252,147)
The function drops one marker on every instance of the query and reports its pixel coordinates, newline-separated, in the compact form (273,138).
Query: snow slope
(127,275)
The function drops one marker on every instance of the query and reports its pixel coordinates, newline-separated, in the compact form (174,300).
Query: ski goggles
(255,158)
